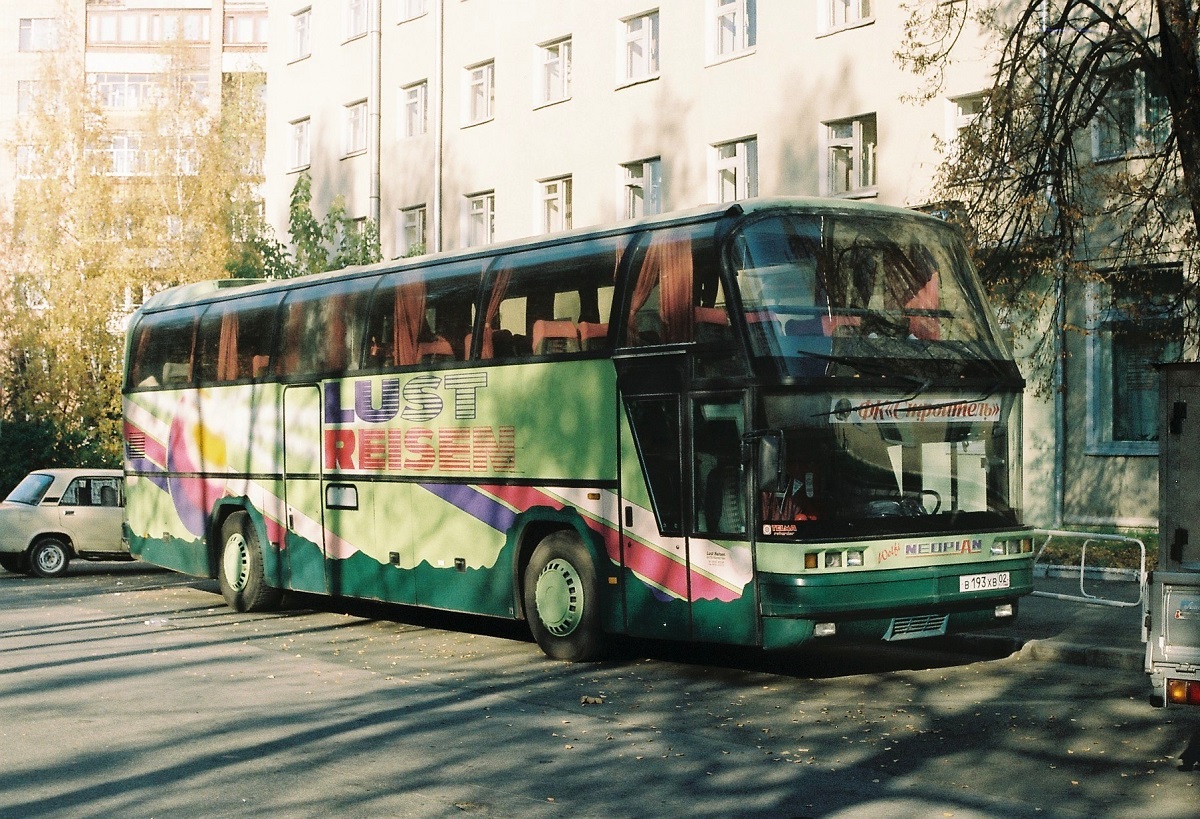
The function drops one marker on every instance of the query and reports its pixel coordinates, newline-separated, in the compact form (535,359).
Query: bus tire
(240,570)
(49,557)
(562,599)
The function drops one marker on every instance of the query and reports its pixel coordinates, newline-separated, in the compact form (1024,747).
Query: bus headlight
(854,558)
(833,560)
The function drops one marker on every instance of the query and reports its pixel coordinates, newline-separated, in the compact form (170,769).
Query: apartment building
(122,45)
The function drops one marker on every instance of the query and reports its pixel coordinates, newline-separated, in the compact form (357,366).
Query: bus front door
(304,552)
(654,548)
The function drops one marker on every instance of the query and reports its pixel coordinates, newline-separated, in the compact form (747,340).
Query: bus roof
(215,290)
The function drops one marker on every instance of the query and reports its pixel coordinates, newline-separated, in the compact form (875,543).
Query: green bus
(752,424)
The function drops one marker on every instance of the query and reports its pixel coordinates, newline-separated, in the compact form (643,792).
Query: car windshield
(31,489)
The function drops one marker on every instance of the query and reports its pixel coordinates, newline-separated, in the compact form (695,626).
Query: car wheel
(49,558)
(562,599)
(243,583)
(16,563)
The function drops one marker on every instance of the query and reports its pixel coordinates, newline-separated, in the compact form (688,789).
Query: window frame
(299,144)
(651,196)
(355,18)
(553,71)
(486,213)
(555,211)
(857,13)
(354,128)
(479,108)
(1104,318)
(649,64)
(301,39)
(414,105)
(740,19)
(862,161)
(412,224)
(1135,137)
(742,162)
(37,34)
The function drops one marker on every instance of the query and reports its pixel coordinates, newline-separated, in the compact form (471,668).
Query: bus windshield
(834,294)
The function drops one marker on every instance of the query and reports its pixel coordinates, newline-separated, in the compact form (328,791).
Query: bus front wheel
(240,572)
(562,599)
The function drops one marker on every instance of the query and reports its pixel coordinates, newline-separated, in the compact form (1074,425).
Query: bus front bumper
(887,605)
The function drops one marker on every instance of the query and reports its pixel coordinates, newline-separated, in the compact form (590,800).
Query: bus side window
(322,329)
(676,295)
(421,317)
(235,340)
(550,302)
(162,351)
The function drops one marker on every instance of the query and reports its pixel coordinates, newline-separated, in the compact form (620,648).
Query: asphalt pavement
(1096,623)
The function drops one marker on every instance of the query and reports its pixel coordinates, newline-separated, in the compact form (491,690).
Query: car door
(90,512)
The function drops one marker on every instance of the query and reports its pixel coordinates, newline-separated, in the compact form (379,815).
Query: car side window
(92,492)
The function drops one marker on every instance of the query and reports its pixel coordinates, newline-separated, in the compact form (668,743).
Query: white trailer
(1171,626)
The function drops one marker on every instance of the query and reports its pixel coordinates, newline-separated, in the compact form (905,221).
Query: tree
(331,243)
(1084,159)
(103,217)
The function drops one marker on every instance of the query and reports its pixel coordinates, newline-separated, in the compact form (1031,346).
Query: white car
(55,515)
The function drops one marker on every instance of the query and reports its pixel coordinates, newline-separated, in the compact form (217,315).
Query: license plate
(983,582)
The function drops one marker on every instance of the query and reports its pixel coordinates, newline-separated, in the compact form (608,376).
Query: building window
(27,92)
(414,102)
(121,90)
(641,188)
(246,28)
(735,170)
(302,34)
(554,71)
(38,34)
(125,155)
(299,149)
(1134,118)
(356,18)
(733,27)
(851,146)
(839,14)
(481,218)
(410,9)
(556,204)
(1135,323)
(354,137)
(481,92)
(410,231)
(641,47)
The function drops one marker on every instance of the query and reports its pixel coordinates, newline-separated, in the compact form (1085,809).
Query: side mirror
(768,451)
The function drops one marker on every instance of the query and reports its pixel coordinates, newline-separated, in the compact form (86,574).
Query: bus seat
(259,365)
(551,337)
(712,324)
(437,350)
(177,373)
(804,327)
(832,324)
(593,335)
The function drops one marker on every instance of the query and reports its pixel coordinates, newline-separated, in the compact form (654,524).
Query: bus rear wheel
(562,599)
(240,571)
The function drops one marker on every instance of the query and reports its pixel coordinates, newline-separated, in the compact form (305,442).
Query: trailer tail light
(1183,692)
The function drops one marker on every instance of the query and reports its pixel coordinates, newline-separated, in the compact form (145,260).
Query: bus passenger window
(235,340)
(677,295)
(322,330)
(161,354)
(421,317)
(550,301)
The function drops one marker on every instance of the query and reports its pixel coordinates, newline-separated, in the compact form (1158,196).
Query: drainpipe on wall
(375,32)
(434,237)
